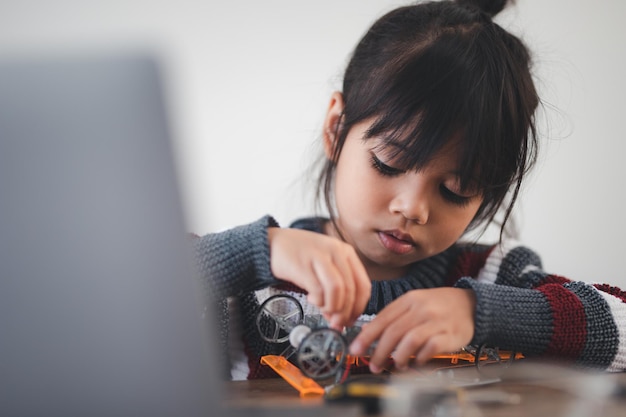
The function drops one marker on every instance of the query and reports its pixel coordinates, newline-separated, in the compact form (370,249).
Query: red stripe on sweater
(570,325)
(554,279)
(468,264)
(614,291)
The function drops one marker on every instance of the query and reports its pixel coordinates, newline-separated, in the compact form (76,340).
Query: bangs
(438,98)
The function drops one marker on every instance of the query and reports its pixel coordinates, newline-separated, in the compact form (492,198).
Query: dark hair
(430,72)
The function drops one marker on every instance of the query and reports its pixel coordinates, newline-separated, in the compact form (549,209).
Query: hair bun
(490,7)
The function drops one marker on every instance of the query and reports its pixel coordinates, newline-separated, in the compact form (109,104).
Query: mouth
(396,241)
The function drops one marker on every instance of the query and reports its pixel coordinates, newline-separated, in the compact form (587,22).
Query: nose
(412,201)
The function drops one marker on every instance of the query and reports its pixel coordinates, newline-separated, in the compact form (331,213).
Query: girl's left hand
(420,323)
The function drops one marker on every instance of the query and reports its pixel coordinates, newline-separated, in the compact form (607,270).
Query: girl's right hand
(328,269)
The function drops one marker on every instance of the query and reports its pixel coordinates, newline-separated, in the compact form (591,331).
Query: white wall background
(249,81)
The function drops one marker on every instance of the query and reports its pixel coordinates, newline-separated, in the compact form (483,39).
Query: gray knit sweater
(519,306)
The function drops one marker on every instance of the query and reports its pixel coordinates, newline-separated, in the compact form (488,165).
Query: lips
(396,241)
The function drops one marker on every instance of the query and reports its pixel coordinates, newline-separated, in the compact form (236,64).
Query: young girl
(430,137)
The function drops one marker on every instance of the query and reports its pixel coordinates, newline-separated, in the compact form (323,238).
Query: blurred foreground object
(98,305)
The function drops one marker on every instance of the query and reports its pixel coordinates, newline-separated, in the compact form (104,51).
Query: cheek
(463,218)
(456,220)
(357,193)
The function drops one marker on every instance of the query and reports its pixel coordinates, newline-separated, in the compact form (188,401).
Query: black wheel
(321,353)
(277,316)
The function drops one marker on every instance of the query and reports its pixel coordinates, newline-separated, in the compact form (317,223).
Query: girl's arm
(503,299)
(236,261)
(257,255)
(541,314)
(231,263)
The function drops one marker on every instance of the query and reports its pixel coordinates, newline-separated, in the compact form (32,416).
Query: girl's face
(394,217)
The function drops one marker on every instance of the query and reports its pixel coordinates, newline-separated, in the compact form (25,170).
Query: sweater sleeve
(237,260)
(229,264)
(523,308)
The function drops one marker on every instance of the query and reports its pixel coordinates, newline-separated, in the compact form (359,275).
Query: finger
(384,349)
(368,334)
(362,287)
(315,292)
(412,343)
(434,346)
(345,310)
(332,286)
(399,340)
(373,331)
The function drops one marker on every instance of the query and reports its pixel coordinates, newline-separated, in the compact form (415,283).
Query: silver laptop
(99,311)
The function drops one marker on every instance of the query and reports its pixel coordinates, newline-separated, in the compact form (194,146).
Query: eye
(384,169)
(453,197)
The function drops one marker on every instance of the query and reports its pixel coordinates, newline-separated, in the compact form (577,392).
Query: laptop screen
(99,310)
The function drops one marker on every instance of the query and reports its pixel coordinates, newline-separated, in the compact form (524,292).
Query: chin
(396,261)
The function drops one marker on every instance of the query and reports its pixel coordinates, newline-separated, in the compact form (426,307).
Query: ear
(333,123)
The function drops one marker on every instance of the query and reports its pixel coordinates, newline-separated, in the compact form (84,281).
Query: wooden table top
(524,390)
